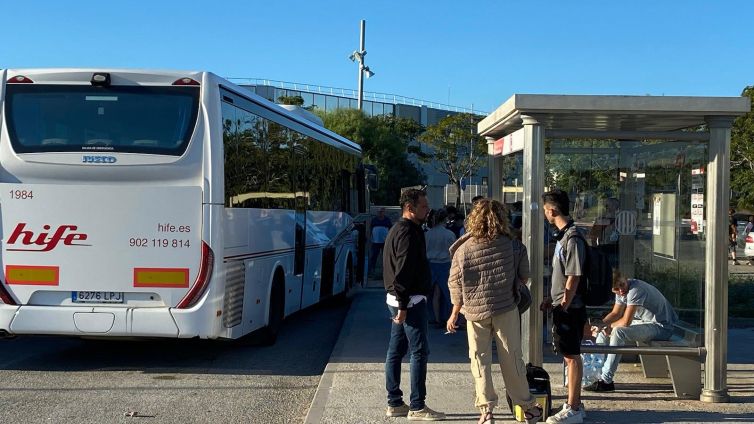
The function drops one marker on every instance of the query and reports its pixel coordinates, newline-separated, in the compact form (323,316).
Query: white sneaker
(581,408)
(567,415)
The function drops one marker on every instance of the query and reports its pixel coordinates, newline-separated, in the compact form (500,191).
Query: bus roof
(122,76)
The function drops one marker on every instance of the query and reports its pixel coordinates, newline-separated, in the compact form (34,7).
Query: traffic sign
(625,223)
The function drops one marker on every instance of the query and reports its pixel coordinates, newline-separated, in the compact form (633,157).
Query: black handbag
(521,292)
(523,298)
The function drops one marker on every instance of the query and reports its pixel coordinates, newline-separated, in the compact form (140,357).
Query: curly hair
(488,220)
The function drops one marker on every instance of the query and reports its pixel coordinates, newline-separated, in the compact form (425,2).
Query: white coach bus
(167,204)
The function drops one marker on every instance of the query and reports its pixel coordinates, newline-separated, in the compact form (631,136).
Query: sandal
(487,419)
(533,414)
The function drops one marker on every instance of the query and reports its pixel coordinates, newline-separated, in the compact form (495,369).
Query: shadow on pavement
(313,331)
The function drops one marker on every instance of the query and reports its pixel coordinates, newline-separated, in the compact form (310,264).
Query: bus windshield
(128,119)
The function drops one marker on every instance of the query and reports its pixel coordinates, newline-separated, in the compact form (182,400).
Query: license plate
(96,297)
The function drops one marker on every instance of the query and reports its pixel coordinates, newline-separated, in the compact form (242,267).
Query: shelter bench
(680,357)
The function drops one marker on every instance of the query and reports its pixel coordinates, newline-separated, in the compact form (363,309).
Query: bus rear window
(129,119)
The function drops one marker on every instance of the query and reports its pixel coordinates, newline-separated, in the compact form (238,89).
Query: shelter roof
(609,113)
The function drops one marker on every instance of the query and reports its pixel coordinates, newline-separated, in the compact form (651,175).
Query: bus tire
(269,334)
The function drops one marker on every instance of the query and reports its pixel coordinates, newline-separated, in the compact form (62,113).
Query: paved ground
(352,386)
(70,380)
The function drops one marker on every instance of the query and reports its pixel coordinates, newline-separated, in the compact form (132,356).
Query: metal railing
(353,94)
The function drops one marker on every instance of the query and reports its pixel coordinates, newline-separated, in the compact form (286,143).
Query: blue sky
(466,53)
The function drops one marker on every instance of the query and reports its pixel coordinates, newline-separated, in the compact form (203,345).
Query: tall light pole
(358,55)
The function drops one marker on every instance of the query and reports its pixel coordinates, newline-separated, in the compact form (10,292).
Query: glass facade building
(375,104)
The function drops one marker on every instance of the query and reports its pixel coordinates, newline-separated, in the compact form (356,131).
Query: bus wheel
(269,334)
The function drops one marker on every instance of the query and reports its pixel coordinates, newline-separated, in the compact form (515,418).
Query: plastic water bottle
(588,376)
(588,360)
(596,370)
(598,361)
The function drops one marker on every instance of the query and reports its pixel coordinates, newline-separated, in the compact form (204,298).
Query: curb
(324,388)
(319,403)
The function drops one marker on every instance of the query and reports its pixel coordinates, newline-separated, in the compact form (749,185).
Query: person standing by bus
(455,221)
(439,239)
(407,279)
(380,226)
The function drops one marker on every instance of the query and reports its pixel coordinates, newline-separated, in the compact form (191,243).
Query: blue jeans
(622,336)
(440,274)
(411,335)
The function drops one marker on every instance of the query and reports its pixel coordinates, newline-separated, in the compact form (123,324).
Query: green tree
(455,148)
(579,165)
(742,156)
(386,142)
(291,100)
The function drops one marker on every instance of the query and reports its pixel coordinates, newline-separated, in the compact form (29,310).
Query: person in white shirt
(439,239)
(380,226)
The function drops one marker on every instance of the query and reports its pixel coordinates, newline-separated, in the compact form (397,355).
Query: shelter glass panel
(642,203)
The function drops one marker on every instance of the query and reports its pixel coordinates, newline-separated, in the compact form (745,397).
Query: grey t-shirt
(652,305)
(565,262)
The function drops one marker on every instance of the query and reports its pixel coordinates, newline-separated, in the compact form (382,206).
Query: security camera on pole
(358,55)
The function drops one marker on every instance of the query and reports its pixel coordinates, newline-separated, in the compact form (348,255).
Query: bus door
(301,200)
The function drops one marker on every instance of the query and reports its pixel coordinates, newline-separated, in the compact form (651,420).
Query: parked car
(749,245)
(740,229)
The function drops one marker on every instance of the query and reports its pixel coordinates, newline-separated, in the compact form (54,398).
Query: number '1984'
(21,194)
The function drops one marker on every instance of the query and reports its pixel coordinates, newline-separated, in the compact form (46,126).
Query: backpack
(596,285)
(539,386)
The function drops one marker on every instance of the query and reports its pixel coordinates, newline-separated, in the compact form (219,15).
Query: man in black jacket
(408,282)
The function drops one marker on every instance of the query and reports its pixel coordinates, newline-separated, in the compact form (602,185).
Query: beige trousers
(505,329)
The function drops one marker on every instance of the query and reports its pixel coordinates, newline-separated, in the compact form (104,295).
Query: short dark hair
(476,199)
(559,198)
(440,216)
(411,197)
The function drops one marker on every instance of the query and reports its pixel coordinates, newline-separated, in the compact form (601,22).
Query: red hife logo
(45,240)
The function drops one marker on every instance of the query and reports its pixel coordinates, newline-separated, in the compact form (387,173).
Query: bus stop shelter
(648,179)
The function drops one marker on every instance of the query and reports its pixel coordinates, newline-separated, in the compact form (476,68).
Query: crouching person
(640,314)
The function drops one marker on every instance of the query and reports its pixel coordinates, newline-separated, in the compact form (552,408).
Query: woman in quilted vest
(484,278)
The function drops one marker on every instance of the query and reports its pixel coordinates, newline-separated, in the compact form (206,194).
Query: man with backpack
(568,307)
(641,313)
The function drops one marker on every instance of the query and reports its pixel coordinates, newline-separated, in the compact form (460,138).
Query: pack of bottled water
(592,366)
